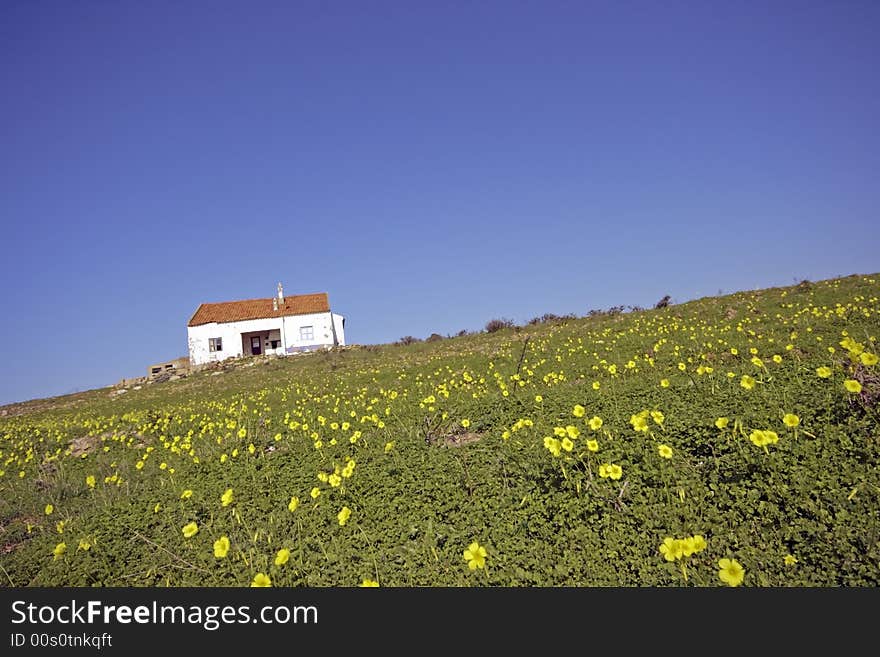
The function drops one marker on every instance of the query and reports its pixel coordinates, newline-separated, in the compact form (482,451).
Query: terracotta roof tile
(237,311)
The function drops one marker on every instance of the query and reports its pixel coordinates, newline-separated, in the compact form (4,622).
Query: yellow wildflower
(731,572)
(475,556)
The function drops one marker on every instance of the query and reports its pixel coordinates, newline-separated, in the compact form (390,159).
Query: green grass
(425,486)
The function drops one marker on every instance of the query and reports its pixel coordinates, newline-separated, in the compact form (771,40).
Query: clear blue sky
(430,165)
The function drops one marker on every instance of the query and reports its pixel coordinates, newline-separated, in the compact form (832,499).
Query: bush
(550,317)
(434,337)
(663,303)
(498,324)
(407,340)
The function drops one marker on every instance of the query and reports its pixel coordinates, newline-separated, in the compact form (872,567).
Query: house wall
(287,329)
(176,365)
(339,321)
(230,333)
(322,332)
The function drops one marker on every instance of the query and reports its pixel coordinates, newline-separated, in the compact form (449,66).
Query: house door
(256,343)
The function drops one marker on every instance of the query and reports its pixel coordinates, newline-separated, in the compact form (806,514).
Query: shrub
(498,324)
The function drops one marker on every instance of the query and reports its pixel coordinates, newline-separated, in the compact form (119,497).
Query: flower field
(728,441)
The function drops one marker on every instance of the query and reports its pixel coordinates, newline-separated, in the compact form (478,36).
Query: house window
(306,333)
(215,344)
(275,343)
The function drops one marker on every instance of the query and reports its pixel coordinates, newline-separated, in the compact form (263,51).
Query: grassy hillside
(634,449)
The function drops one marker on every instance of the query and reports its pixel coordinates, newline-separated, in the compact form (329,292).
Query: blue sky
(430,165)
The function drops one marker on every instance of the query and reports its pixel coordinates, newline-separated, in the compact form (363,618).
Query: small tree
(498,324)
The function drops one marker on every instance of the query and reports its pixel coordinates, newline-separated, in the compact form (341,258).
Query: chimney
(280,294)
(275,305)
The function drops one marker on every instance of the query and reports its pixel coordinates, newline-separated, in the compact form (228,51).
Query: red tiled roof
(236,311)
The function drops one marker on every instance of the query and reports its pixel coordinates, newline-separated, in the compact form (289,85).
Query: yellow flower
(664,383)
(49,509)
(334,480)
(343,516)
(688,546)
(722,422)
(699,543)
(595,423)
(90,481)
(190,530)
(603,470)
(572,431)
(596,385)
(221,547)
(59,550)
(665,451)
(553,445)
(868,358)
(369,583)
(615,471)
(539,398)
(762,438)
(475,555)
(682,367)
(853,386)
(186,494)
(777,358)
(747,382)
(465,423)
(734,351)
(791,420)
(294,502)
(639,422)
(578,410)
(731,572)
(389,446)
(226,498)
(823,372)
(657,416)
(242,432)
(261,580)
(315,492)
(757,362)
(567,445)
(157,507)
(282,557)
(593,445)
(790,560)
(84,545)
(671,549)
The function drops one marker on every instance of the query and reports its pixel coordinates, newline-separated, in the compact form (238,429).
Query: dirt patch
(454,440)
(83,445)
(8,544)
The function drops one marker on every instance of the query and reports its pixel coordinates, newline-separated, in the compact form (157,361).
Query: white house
(277,325)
